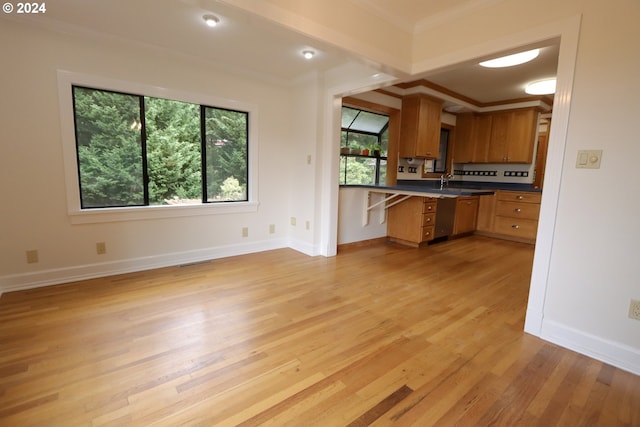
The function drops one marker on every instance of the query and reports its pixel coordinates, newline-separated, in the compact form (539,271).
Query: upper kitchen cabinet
(500,137)
(420,126)
(513,136)
(473,134)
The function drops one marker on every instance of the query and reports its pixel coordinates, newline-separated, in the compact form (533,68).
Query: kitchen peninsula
(420,212)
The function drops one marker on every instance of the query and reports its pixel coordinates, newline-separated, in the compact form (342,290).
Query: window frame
(79,215)
(378,159)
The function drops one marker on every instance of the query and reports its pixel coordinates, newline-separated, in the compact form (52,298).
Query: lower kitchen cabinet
(510,215)
(466,215)
(418,220)
(412,222)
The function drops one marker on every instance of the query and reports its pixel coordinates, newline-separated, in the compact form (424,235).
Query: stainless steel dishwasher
(445,214)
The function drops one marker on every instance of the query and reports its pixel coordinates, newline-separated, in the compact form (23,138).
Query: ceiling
(248,44)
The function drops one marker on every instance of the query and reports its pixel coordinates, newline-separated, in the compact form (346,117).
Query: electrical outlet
(293,220)
(32,256)
(101,248)
(245,231)
(309,159)
(272,228)
(307,225)
(634,309)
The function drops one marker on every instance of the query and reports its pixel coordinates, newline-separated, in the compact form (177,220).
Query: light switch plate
(589,159)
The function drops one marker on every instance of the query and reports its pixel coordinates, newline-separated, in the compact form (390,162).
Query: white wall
(303,163)
(594,269)
(34,209)
(352,226)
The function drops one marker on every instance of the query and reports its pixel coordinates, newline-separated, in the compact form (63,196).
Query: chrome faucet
(444,180)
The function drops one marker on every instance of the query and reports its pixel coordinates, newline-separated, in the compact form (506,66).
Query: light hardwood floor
(379,335)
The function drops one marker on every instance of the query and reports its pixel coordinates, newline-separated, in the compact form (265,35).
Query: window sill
(93,216)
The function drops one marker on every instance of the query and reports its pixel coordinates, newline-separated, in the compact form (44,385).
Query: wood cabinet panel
(483,127)
(465,142)
(500,137)
(412,221)
(473,135)
(522,133)
(466,215)
(510,214)
(518,210)
(420,127)
(428,219)
(516,227)
(497,152)
(520,196)
(486,213)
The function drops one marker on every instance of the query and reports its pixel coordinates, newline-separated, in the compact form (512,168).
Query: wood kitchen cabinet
(465,138)
(486,213)
(500,137)
(420,126)
(513,136)
(412,222)
(473,134)
(511,215)
(466,215)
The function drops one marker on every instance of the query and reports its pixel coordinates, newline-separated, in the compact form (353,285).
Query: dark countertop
(453,188)
(481,185)
(450,192)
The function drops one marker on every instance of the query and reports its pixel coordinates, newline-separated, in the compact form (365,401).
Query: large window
(135,150)
(364,144)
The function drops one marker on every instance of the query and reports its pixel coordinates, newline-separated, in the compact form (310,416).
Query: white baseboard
(56,276)
(613,353)
(304,247)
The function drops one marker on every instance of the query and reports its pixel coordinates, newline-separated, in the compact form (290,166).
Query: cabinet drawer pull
(428,219)
(519,197)
(429,208)
(517,210)
(427,233)
(515,226)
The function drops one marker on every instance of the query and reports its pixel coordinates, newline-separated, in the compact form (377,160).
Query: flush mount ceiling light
(542,87)
(211,20)
(511,60)
(308,54)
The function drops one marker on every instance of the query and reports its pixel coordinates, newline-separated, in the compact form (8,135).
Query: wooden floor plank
(379,335)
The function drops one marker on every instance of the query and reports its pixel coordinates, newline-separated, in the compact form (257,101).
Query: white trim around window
(77,215)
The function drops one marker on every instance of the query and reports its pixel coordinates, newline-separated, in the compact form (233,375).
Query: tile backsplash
(489,172)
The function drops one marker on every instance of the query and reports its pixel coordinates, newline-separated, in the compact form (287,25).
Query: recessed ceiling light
(542,87)
(211,20)
(511,60)
(308,54)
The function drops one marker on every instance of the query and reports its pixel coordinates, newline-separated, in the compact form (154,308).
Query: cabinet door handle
(515,226)
(517,210)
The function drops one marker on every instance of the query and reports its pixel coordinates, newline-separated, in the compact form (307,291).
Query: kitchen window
(134,150)
(364,145)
